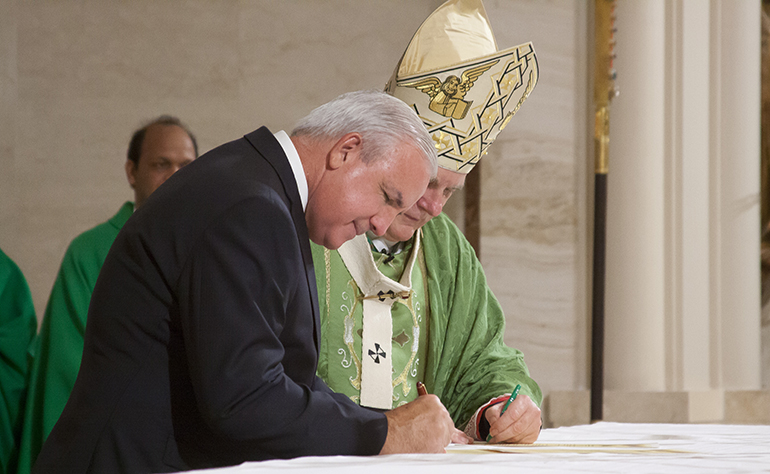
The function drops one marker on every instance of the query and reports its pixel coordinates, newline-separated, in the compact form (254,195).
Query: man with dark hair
(137,139)
(156,151)
(164,145)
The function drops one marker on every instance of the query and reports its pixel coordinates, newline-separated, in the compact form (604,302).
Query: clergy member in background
(414,305)
(156,151)
(18,325)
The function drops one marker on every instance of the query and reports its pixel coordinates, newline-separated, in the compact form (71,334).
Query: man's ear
(130,173)
(347,148)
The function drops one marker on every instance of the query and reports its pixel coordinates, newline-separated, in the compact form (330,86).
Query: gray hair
(383,121)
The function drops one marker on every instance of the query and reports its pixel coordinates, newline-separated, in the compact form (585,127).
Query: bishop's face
(427,207)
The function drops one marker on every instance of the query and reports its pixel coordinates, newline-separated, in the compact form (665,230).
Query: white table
(601,447)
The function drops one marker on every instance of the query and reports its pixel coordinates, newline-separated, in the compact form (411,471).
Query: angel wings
(447,98)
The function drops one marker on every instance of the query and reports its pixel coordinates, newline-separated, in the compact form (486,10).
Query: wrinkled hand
(421,426)
(519,424)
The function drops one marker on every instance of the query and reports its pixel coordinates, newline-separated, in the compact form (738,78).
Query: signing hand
(420,426)
(458,437)
(519,424)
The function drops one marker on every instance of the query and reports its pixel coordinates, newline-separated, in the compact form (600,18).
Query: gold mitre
(462,87)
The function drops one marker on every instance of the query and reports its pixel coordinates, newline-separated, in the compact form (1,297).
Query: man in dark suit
(202,337)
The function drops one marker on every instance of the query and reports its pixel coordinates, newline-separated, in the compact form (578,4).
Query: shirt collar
(383,245)
(296,165)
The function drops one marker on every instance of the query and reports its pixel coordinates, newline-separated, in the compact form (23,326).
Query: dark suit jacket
(202,337)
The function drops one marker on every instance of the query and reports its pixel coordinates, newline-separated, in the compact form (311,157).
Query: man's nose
(380,222)
(432,204)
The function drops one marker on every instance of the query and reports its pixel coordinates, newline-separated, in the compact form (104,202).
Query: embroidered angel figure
(447,98)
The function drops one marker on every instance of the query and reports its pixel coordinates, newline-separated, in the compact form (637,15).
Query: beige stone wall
(76,77)
(534,201)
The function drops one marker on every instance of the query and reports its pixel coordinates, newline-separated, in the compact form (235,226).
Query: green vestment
(18,325)
(340,352)
(59,345)
(467,363)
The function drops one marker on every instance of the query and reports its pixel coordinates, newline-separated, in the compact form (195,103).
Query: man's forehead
(164,136)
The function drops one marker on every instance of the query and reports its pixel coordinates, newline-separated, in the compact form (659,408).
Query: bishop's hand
(519,424)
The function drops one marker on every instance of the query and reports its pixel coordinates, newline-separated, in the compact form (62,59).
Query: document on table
(620,447)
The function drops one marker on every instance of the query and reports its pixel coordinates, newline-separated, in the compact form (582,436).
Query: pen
(505,407)
(421,390)
(511,398)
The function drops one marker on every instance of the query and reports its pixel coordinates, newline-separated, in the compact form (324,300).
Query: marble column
(683,211)
(688,186)
(683,302)
(634,308)
(736,118)
(683,283)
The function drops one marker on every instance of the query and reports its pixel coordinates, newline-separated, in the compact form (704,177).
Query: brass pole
(604,90)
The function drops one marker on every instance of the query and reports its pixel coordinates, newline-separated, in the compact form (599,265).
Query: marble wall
(77,77)
(533,215)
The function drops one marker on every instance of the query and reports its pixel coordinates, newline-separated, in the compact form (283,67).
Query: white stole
(380,292)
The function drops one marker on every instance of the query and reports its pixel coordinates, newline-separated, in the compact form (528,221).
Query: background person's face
(165,150)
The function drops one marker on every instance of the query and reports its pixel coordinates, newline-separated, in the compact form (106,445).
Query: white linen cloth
(676,448)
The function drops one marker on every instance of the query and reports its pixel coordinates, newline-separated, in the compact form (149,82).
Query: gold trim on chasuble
(376,293)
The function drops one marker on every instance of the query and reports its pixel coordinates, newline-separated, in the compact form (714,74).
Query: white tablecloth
(601,447)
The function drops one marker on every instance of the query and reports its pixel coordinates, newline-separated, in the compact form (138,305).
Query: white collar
(383,245)
(296,165)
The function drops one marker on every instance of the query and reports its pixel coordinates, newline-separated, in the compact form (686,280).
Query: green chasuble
(339,362)
(59,345)
(18,325)
(466,361)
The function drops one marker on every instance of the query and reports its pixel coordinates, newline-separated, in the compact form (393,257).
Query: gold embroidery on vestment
(349,325)
(347,309)
(401,379)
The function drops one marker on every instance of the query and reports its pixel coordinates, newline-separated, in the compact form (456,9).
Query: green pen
(505,407)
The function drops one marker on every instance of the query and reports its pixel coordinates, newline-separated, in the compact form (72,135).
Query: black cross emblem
(382,296)
(376,353)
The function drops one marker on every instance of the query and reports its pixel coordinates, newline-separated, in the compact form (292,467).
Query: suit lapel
(267,146)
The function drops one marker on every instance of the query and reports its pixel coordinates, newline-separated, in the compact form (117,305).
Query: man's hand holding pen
(516,422)
(457,436)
